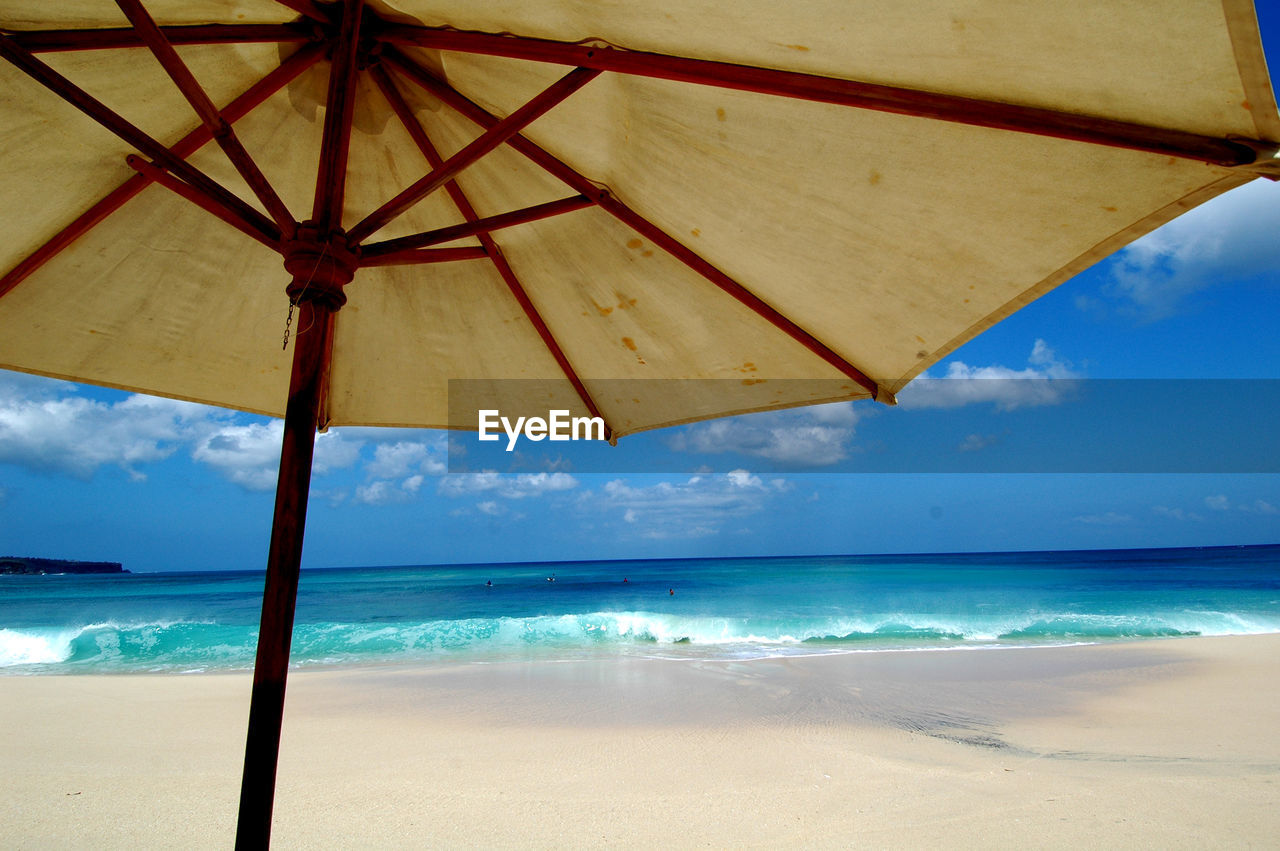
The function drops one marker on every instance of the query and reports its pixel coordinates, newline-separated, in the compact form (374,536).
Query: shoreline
(1168,742)
(454,660)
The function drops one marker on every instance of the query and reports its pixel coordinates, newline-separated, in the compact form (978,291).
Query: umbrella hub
(321,263)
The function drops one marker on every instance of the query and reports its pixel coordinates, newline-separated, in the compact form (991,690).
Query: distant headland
(21,566)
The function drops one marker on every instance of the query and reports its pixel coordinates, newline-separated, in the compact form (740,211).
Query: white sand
(1155,744)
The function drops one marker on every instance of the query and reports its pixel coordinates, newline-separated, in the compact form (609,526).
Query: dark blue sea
(678,609)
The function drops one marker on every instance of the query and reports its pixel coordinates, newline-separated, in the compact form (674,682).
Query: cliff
(17,565)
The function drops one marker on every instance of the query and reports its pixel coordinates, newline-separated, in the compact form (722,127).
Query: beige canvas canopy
(884,239)
(579,192)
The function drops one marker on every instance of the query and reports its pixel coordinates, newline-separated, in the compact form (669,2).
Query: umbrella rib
(195,196)
(475,227)
(112,121)
(495,135)
(779,320)
(252,97)
(489,245)
(51,41)
(813,87)
(209,115)
(331,176)
(426,255)
(639,224)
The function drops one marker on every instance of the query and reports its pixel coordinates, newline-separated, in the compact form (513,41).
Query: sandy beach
(1170,743)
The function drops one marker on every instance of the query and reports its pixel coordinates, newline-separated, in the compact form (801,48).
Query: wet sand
(1172,743)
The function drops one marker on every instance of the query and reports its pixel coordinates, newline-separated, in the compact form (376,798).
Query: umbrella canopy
(579,192)
(844,191)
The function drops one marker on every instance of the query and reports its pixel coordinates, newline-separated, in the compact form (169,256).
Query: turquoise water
(720,608)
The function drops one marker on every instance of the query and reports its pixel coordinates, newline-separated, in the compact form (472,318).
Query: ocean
(739,608)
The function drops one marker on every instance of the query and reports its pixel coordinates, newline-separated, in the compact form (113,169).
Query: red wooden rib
(410,122)
(209,115)
(49,41)
(498,133)
(779,320)
(158,175)
(95,109)
(426,255)
(479,226)
(508,275)
(895,99)
(638,223)
(331,178)
(193,141)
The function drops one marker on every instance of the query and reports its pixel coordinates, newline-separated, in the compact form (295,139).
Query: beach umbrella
(797,202)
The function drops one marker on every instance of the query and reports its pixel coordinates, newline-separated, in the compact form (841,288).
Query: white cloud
(1110,518)
(47,426)
(399,467)
(248,455)
(696,507)
(1045,380)
(51,426)
(801,437)
(1229,238)
(506,486)
(403,458)
(977,442)
(823,435)
(334,451)
(333,496)
(383,492)
(1175,513)
(1220,502)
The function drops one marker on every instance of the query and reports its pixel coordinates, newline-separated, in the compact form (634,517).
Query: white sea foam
(189,645)
(110,645)
(34,647)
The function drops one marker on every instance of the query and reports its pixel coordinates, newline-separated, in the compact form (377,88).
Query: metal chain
(287,323)
(324,249)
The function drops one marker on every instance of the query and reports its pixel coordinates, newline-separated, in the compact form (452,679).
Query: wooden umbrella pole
(312,349)
(319,257)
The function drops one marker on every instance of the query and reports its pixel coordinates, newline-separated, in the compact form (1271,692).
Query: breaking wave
(191,646)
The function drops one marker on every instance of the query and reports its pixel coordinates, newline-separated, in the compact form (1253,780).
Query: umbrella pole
(312,348)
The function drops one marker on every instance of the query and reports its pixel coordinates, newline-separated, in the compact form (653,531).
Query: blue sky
(161,485)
